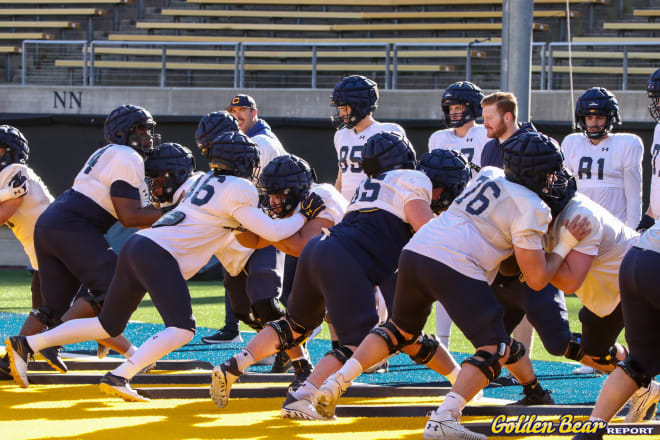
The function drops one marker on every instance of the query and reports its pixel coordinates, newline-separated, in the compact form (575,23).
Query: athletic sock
(451,377)
(453,402)
(69,332)
(244,359)
(351,370)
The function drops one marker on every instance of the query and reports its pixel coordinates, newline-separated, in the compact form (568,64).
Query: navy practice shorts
(470,303)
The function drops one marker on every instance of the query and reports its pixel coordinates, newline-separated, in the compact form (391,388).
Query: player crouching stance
(453,259)
(160,259)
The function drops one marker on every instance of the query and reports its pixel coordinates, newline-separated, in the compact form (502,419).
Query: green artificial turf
(208,306)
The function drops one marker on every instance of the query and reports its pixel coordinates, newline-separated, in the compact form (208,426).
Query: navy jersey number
(202,192)
(354,157)
(368,191)
(586,163)
(480,202)
(92,160)
(468,153)
(654,152)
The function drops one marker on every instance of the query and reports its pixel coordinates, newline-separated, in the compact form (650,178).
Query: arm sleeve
(255,220)
(632,182)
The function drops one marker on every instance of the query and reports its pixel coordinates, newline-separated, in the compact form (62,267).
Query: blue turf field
(566,387)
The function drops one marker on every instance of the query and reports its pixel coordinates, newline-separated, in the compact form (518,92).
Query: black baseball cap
(242,101)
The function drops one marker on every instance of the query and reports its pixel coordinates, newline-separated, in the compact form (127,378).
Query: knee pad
(641,379)
(400,340)
(609,358)
(574,350)
(516,353)
(96,301)
(266,310)
(45,315)
(285,328)
(490,366)
(342,353)
(429,345)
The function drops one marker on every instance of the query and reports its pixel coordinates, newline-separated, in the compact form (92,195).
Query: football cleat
(302,368)
(19,353)
(224,336)
(52,356)
(585,369)
(282,363)
(534,398)
(5,373)
(329,393)
(446,425)
(148,368)
(643,403)
(222,378)
(102,350)
(113,385)
(301,409)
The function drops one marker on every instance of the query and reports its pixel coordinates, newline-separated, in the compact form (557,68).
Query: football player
(638,278)
(607,166)
(452,259)
(653,92)
(393,199)
(461,104)
(253,282)
(160,260)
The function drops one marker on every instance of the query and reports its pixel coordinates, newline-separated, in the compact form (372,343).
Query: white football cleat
(300,409)
(642,401)
(329,393)
(446,425)
(584,369)
(222,378)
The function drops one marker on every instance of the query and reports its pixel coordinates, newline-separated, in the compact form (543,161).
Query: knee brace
(45,315)
(342,353)
(400,340)
(429,345)
(96,301)
(285,328)
(516,353)
(609,358)
(490,366)
(574,350)
(266,310)
(641,379)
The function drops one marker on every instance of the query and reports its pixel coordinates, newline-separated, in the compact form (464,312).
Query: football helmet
(387,151)
(120,127)
(210,127)
(561,191)
(357,92)
(464,93)
(289,177)
(234,154)
(653,91)
(597,101)
(532,159)
(447,169)
(15,145)
(168,167)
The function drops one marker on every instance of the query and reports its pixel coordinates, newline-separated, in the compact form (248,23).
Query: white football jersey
(391,191)
(470,145)
(203,222)
(608,241)
(650,239)
(349,145)
(269,149)
(335,203)
(35,201)
(481,226)
(609,173)
(655,173)
(105,166)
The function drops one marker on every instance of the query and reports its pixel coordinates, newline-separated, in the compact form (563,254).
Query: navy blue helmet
(653,91)
(387,151)
(530,159)
(561,191)
(168,167)
(121,124)
(234,154)
(15,145)
(210,127)
(447,169)
(289,177)
(464,93)
(360,94)
(597,101)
